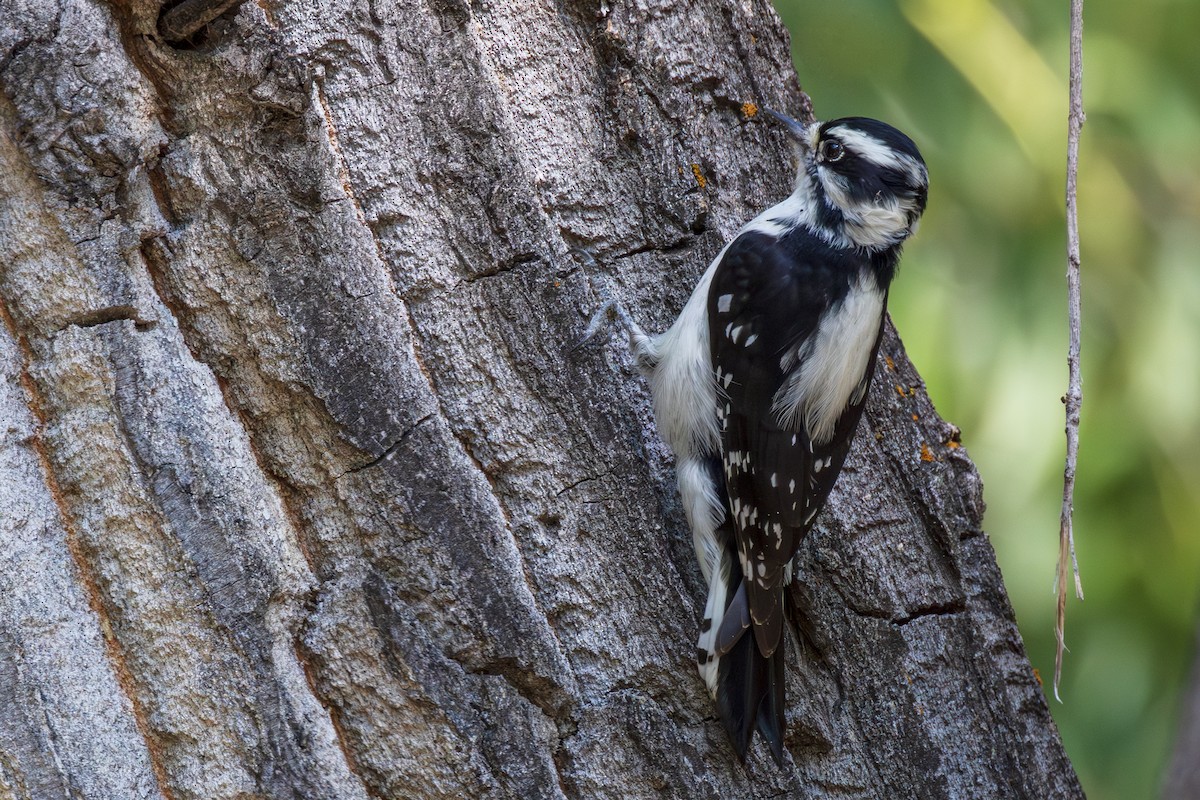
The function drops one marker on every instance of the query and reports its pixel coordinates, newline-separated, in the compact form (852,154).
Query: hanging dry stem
(1074,396)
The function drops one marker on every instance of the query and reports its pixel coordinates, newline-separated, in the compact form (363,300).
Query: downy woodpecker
(759,385)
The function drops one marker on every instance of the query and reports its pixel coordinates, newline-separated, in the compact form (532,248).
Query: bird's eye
(832,151)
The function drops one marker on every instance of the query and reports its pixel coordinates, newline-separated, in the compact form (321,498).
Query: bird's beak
(800,133)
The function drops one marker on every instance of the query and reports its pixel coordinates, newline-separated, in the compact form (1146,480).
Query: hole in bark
(188,24)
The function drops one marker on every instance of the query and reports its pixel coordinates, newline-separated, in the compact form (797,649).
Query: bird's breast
(828,371)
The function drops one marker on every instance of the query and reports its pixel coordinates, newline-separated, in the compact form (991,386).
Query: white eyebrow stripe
(877,152)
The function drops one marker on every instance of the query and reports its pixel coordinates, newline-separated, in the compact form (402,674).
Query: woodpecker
(759,385)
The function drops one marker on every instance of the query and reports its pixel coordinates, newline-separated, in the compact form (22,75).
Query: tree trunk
(305,493)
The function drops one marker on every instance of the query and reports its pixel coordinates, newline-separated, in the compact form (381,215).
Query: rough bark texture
(305,494)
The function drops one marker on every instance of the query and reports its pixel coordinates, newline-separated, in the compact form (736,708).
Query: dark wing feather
(767,296)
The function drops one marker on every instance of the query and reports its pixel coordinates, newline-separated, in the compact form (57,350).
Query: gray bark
(305,494)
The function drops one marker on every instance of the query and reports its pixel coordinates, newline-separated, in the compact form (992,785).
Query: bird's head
(865,181)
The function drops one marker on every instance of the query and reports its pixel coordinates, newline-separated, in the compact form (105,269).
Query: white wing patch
(832,363)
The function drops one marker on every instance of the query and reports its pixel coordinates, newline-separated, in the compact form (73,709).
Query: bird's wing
(766,301)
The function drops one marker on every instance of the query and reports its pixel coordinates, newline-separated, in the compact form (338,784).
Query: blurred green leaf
(981,305)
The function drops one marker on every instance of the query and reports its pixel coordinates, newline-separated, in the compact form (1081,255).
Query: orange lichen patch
(701,181)
(1037,676)
(891,365)
(953,445)
(750,110)
(916,417)
(900,390)
(267,12)
(926,453)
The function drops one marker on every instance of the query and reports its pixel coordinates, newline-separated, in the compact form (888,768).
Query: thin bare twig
(1074,396)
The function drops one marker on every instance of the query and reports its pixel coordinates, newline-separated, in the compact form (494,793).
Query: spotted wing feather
(767,298)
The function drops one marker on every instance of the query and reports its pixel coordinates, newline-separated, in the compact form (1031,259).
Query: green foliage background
(981,304)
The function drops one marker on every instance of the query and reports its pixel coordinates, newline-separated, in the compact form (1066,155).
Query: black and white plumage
(759,385)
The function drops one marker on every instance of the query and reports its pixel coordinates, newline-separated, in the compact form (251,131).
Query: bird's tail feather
(749,692)
(771,723)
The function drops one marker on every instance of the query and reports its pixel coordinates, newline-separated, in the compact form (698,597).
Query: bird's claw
(609,309)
